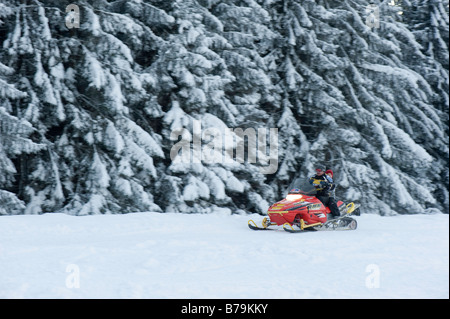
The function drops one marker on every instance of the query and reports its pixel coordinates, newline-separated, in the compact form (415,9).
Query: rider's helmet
(320,168)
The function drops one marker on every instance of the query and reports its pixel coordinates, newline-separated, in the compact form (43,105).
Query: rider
(329,176)
(324,185)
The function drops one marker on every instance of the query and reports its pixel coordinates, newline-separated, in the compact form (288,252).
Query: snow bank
(151,255)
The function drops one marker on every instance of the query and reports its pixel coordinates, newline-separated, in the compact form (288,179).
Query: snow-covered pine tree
(290,21)
(429,22)
(194,77)
(363,102)
(80,88)
(251,96)
(14,142)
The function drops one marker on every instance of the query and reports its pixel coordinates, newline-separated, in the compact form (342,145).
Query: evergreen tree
(428,21)
(14,142)
(350,78)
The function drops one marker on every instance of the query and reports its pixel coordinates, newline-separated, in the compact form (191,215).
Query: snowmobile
(301,211)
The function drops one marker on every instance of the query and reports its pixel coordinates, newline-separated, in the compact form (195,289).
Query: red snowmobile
(301,211)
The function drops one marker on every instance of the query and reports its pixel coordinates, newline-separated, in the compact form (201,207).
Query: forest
(204,106)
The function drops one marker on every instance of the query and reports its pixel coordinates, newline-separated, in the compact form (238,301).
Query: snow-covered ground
(151,255)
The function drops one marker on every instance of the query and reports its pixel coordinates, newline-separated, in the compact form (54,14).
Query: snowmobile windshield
(301,186)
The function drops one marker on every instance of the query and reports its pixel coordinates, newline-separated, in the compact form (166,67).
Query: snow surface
(154,255)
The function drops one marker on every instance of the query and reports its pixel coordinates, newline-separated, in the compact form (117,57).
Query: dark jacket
(323,185)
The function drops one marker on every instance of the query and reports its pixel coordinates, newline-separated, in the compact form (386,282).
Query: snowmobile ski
(288,227)
(252,225)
